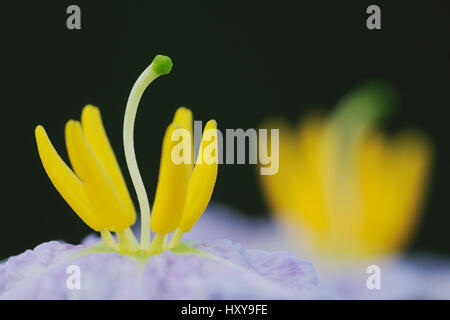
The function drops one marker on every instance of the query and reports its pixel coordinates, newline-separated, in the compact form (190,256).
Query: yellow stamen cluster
(183,190)
(345,189)
(96,189)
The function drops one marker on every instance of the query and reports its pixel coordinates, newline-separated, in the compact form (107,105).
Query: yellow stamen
(96,189)
(65,181)
(171,190)
(183,119)
(98,140)
(97,185)
(203,179)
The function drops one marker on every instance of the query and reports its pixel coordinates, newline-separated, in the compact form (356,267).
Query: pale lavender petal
(32,262)
(234,273)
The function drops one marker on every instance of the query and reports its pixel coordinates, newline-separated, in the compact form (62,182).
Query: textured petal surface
(237,274)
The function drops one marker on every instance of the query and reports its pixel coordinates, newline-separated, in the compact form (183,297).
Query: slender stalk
(157,243)
(127,241)
(160,65)
(108,239)
(176,238)
(165,242)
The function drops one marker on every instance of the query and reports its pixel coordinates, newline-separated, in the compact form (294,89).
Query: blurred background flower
(343,186)
(349,196)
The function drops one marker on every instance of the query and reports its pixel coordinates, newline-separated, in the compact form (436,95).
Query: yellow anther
(64,180)
(99,189)
(171,189)
(203,178)
(183,118)
(94,131)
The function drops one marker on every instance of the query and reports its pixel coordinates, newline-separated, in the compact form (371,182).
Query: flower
(159,269)
(345,188)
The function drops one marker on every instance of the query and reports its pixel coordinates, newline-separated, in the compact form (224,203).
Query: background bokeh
(235,62)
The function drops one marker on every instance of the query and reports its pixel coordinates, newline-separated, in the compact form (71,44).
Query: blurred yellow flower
(344,189)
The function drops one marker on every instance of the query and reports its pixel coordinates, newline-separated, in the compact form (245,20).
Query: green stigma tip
(162,65)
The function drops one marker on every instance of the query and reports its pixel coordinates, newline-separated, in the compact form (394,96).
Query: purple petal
(233,273)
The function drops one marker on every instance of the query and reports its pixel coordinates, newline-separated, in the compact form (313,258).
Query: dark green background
(235,62)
